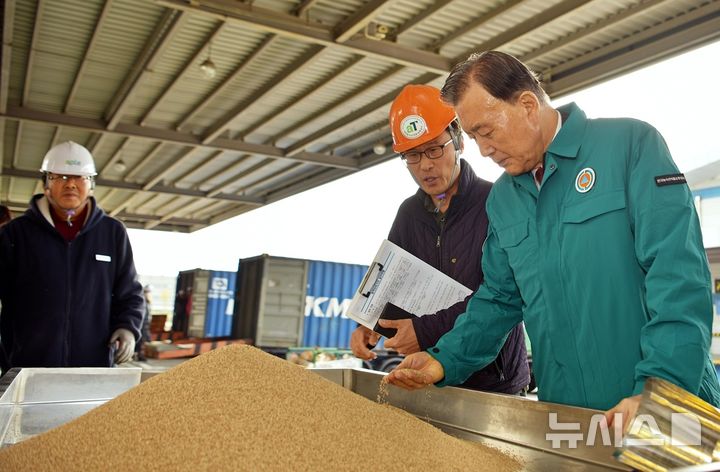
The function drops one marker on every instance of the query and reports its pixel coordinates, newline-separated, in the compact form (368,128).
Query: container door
(220,303)
(282,303)
(198,304)
(331,286)
(183,301)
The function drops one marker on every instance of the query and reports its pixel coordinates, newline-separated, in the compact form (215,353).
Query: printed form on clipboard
(398,285)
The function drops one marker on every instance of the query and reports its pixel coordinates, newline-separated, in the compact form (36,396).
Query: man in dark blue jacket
(445,225)
(68,284)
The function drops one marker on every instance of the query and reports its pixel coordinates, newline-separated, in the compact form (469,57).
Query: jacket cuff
(639,386)
(447,360)
(421,333)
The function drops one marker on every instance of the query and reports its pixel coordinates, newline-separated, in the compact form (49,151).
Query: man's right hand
(360,339)
(417,371)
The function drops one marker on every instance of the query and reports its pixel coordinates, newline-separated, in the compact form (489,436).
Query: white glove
(126,345)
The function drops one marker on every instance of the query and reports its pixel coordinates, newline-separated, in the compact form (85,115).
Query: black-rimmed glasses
(66,178)
(433,152)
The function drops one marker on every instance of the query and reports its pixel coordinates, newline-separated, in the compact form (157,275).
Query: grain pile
(238,408)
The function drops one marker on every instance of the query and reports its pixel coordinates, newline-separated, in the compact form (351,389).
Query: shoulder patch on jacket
(670,179)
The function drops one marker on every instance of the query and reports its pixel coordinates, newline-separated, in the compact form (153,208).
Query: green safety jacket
(604,264)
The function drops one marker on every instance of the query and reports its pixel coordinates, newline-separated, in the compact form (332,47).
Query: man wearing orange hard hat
(443,224)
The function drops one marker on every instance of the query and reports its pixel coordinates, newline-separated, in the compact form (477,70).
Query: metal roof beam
(213,205)
(229,168)
(6,57)
(176,137)
(475,24)
(322,177)
(600,25)
(124,204)
(144,161)
(357,114)
(217,206)
(167,169)
(105,198)
(688,31)
(287,73)
(16,148)
(115,156)
(31,53)
(56,136)
(293,100)
(304,6)
(91,45)
(212,158)
(95,142)
(295,28)
(3,124)
(360,19)
(223,186)
(157,189)
(168,27)
(185,68)
(126,216)
(228,214)
(337,103)
(363,133)
(261,48)
(172,214)
(268,178)
(417,19)
(527,26)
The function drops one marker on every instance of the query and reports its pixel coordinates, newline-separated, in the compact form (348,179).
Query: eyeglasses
(434,152)
(65,178)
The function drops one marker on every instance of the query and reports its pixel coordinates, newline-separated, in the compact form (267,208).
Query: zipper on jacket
(68,277)
(441,222)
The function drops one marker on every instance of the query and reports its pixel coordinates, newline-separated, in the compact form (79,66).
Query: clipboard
(398,285)
(374,273)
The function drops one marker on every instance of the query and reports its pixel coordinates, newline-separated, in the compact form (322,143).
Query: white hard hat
(68,158)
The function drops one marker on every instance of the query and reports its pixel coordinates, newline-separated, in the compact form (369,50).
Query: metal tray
(34,400)
(514,424)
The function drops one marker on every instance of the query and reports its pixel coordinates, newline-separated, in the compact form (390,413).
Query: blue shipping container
(220,304)
(330,288)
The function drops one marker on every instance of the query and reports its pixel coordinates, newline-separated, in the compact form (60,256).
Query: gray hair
(502,75)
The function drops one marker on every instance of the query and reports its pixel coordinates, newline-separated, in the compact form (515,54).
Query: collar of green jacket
(567,142)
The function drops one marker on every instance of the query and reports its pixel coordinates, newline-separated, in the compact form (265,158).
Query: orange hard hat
(417,116)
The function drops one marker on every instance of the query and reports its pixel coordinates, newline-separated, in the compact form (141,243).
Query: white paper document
(398,277)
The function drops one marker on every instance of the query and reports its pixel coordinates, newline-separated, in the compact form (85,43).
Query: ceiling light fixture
(120,166)
(208,66)
(379,148)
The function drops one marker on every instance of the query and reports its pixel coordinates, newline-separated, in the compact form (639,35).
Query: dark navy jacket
(61,301)
(456,250)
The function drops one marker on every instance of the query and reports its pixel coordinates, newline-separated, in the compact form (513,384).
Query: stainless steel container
(34,400)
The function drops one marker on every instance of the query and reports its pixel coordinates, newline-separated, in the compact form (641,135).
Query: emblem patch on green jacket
(585,180)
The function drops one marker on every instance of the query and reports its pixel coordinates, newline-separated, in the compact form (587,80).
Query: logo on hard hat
(413,126)
(73,162)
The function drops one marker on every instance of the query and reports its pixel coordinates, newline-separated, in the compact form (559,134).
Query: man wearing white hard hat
(68,286)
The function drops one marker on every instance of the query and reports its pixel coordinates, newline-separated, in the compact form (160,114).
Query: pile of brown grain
(238,408)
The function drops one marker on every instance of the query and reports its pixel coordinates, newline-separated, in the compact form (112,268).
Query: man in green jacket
(593,241)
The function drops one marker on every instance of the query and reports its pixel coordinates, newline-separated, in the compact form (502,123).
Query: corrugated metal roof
(301,88)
